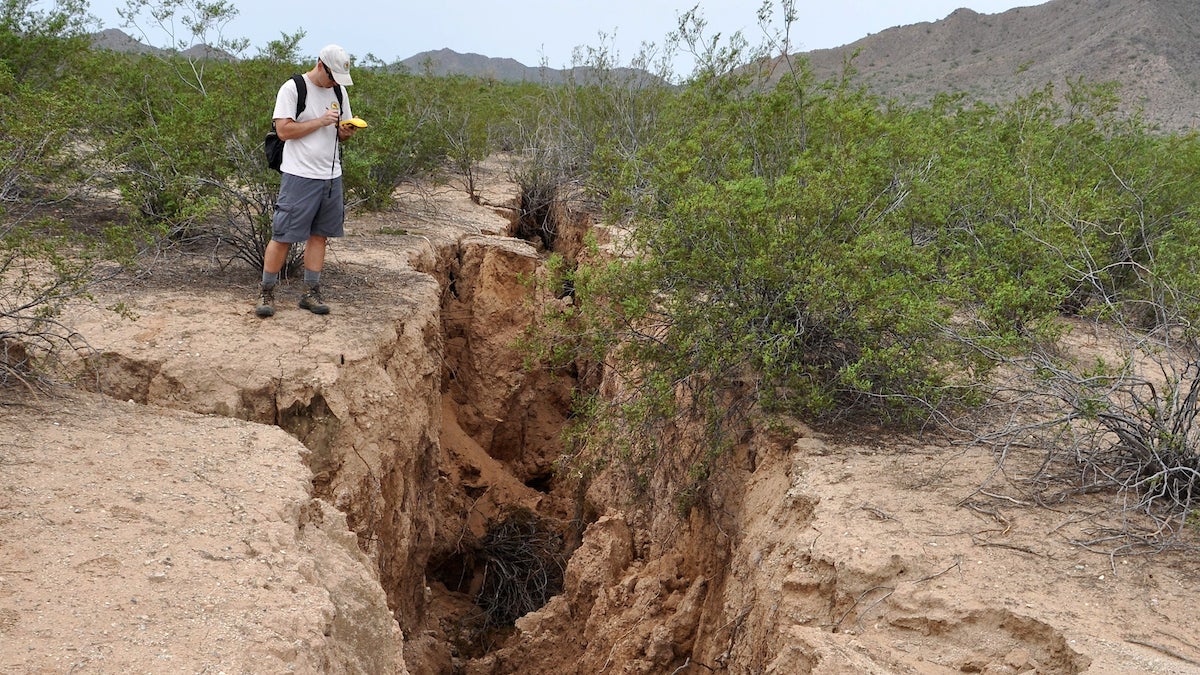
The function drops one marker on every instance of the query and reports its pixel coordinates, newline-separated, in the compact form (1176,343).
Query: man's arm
(288,128)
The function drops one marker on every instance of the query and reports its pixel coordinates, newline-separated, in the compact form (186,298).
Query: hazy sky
(534,31)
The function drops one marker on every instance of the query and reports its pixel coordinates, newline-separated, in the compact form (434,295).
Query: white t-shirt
(314,155)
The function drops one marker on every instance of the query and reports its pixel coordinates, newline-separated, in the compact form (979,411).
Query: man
(310,207)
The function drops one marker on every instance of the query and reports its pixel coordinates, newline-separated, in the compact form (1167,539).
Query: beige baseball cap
(338,62)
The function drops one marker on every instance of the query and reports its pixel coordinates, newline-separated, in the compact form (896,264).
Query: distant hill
(116,40)
(444,62)
(439,63)
(449,62)
(1150,47)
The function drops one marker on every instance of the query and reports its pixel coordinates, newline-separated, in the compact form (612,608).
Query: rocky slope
(1146,46)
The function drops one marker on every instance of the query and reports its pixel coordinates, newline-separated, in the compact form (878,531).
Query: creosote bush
(843,259)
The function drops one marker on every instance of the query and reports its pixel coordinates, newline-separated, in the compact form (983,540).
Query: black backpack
(272,145)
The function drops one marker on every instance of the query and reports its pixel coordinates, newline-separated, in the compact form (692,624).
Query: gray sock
(312,278)
(269,279)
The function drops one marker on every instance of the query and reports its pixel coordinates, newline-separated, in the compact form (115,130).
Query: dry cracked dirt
(209,492)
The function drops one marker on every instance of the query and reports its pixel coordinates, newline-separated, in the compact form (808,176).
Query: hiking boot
(266,302)
(311,300)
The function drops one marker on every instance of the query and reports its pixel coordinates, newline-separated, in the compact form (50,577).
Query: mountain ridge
(444,62)
(1147,47)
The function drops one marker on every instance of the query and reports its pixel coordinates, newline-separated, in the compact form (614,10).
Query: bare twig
(838,624)
(1164,649)
(957,564)
(1013,547)
(881,515)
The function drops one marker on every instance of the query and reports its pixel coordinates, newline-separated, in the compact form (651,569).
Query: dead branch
(1164,649)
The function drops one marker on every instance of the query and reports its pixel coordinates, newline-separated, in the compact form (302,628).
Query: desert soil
(183,533)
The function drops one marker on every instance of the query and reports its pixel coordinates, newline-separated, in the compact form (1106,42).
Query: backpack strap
(337,148)
(302,94)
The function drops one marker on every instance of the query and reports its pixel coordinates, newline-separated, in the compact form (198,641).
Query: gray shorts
(306,207)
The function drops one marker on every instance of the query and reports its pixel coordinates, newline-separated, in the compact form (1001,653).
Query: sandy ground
(969,565)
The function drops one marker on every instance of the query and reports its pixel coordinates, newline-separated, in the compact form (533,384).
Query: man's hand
(330,117)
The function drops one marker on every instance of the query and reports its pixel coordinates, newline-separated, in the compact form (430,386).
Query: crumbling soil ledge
(140,539)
